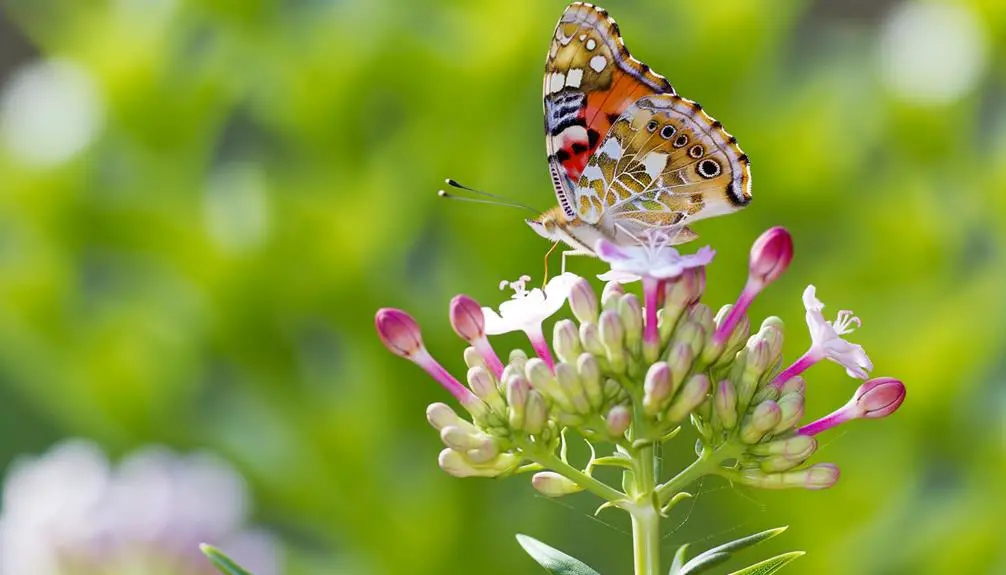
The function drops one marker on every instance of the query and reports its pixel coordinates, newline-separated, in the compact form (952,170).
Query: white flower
(827,339)
(653,257)
(69,512)
(528,308)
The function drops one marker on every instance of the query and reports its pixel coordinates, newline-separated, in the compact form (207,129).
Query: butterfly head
(549,224)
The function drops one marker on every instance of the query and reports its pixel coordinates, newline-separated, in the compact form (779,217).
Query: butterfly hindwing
(590,80)
(663,161)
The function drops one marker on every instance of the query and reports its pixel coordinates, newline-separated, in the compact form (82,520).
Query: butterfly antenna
(494,199)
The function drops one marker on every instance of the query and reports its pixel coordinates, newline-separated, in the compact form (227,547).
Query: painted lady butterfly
(627,154)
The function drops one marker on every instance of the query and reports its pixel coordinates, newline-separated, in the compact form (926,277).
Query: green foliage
(225,564)
(553,560)
(772,565)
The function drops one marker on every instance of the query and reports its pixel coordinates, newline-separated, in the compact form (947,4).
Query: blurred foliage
(206,271)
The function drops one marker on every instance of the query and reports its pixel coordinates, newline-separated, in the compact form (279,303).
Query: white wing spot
(574,77)
(612,149)
(591,44)
(654,163)
(597,63)
(583,37)
(593,173)
(556,82)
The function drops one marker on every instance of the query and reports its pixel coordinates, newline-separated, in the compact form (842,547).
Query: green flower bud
(613,336)
(725,403)
(582,301)
(820,476)
(691,396)
(702,315)
(484,387)
(755,364)
(723,351)
(618,420)
(566,340)
(679,360)
(774,340)
(473,358)
(590,377)
(484,453)
(461,439)
(796,446)
(517,390)
(572,387)
(630,311)
(551,484)
(656,388)
(762,420)
(794,384)
(458,465)
(614,392)
(590,337)
(536,414)
(776,322)
(665,325)
(766,392)
(685,290)
(690,333)
(518,358)
(791,406)
(611,294)
(542,379)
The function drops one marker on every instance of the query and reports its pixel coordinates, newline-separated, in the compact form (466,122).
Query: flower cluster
(631,371)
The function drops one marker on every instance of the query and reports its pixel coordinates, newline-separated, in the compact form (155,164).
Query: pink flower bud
(770,255)
(467,319)
(399,332)
(879,397)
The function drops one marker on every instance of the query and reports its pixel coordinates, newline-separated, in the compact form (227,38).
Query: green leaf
(553,560)
(679,559)
(222,562)
(770,565)
(717,555)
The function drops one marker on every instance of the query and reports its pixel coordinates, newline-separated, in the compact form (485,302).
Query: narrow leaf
(772,565)
(704,562)
(679,560)
(699,563)
(222,562)
(553,560)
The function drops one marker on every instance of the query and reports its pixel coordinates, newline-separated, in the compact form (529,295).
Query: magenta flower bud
(398,332)
(583,301)
(770,255)
(725,404)
(467,319)
(874,399)
(657,388)
(618,420)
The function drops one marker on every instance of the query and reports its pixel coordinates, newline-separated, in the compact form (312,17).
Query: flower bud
(656,388)
(582,301)
(686,289)
(536,413)
(766,392)
(755,364)
(721,350)
(795,447)
(398,332)
(679,360)
(725,404)
(542,379)
(517,390)
(485,453)
(473,359)
(460,439)
(820,476)
(458,465)
(692,334)
(791,406)
(794,384)
(518,358)
(879,397)
(665,324)
(618,420)
(763,419)
(774,321)
(630,311)
(590,377)
(572,387)
(566,340)
(612,336)
(440,415)
(691,396)
(611,294)
(773,340)
(590,337)
(467,319)
(484,387)
(551,484)
(770,255)
(702,315)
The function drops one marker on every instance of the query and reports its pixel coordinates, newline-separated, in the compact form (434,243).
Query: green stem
(707,463)
(550,461)
(645,539)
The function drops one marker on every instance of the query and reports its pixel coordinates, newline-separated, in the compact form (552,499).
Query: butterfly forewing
(590,79)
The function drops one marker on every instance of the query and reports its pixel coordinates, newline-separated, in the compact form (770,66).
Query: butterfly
(628,156)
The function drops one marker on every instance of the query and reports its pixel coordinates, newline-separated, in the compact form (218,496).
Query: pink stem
(651,289)
(751,289)
(489,356)
(837,417)
(424,360)
(799,366)
(541,346)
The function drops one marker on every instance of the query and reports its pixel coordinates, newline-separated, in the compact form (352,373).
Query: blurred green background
(207,207)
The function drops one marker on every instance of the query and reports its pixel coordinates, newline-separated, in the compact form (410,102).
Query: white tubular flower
(70,512)
(527,309)
(826,337)
(653,259)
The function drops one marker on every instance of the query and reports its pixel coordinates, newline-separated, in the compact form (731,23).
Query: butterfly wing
(590,80)
(663,162)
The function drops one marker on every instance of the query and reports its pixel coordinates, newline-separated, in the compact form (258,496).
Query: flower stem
(799,366)
(707,463)
(550,461)
(645,518)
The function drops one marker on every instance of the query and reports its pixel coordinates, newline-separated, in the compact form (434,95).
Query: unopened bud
(722,351)
(572,387)
(879,397)
(467,318)
(770,255)
(473,358)
(542,379)
(690,333)
(773,339)
(618,420)
(702,315)
(791,406)
(631,313)
(566,340)
(755,364)
(398,332)
(551,484)
(691,396)
(536,414)
(517,390)
(590,376)
(484,387)
(725,403)
(766,392)
(590,337)
(582,301)
(460,439)
(762,420)
(679,360)
(820,476)
(611,294)
(666,323)
(518,358)
(686,289)
(613,336)
(796,447)
(458,465)
(656,388)
(440,415)
(794,384)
